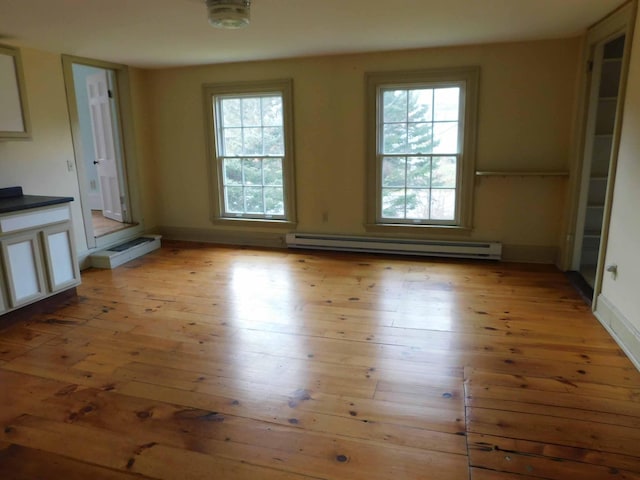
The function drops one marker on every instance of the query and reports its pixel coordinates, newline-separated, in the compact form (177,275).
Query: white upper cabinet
(14,116)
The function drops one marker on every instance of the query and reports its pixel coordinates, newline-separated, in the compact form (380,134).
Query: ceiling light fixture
(228,13)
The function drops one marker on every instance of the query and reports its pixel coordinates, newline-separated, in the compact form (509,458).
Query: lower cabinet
(37,262)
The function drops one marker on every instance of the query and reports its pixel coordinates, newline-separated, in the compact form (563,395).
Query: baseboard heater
(479,250)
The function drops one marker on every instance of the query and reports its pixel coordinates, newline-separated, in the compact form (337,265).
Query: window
(422,142)
(251,148)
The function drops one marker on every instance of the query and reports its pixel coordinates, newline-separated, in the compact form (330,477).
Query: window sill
(417,229)
(254,222)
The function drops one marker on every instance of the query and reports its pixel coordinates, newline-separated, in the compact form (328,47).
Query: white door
(104,145)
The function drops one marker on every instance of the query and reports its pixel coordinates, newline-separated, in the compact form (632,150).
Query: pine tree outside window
(422,142)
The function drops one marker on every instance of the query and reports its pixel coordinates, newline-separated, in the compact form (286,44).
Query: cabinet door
(23,264)
(62,267)
(14,118)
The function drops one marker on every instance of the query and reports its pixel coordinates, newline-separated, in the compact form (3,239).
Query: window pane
(443,204)
(447,103)
(393,172)
(445,137)
(394,107)
(418,204)
(418,172)
(251,112)
(253,199)
(272,111)
(274,200)
(252,171)
(232,171)
(273,141)
(395,138)
(252,144)
(420,138)
(230,112)
(272,171)
(232,142)
(421,105)
(443,172)
(234,200)
(393,202)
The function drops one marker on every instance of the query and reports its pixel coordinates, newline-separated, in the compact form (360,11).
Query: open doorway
(607,64)
(103,157)
(101,147)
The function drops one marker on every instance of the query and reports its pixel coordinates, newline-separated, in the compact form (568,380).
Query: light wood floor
(201,362)
(103,225)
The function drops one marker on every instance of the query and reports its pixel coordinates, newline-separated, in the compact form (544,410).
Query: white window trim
(216,190)
(467,76)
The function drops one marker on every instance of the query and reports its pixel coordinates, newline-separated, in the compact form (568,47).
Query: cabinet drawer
(34,219)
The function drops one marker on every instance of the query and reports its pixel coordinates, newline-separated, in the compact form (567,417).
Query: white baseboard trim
(620,328)
(224,237)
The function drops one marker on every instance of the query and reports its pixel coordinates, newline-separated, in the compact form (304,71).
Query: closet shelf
(592,234)
(508,173)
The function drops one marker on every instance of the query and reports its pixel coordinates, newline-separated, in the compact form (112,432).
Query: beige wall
(527,94)
(39,165)
(621,294)
(526,101)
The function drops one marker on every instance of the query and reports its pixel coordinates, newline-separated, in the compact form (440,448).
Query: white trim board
(620,328)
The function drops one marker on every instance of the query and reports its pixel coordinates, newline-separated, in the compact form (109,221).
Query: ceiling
(165,33)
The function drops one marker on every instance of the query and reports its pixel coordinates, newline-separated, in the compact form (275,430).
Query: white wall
(619,303)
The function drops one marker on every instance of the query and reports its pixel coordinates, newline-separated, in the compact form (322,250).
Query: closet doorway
(607,66)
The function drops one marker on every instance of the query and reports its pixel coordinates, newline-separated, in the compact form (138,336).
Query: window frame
(376,83)
(212,92)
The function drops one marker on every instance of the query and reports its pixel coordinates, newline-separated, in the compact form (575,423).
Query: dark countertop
(12,200)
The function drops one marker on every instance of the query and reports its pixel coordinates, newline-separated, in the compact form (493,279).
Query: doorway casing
(122,97)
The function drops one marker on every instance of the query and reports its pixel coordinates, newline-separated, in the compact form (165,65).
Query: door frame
(620,21)
(122,96)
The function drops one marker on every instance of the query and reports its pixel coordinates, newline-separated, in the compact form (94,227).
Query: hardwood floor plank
(558,430)
(584,398)
(548,461)
(488,474)
(22,463)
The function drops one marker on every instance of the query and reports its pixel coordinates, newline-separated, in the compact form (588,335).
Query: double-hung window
(252,152)
(422,142)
